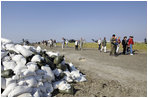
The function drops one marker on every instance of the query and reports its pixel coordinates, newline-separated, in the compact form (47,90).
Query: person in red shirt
(130,44)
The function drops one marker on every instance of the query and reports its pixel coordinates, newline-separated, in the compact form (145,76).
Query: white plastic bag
(9,88)
(18,90)
(3,83)
(36,58)
(9,64)
(23,51)
(19,59)
(48,72)
(31,81)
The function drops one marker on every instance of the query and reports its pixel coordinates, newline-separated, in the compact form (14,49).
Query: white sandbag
(39,78)
(29,73)
(40,72)
(31,48)
(3,83)
(15,77)
(6,58)
(11,47)
(48,72)
(3,54)
(23,51)
(53,53)
(9,88)
(18,69)
(22,82)
(38,49)
(2,68)
(49,87)
(9,64)
(37,93)
(25,95)
(9,81)
(41,86)
(19,59)
(77,76)
(46,78)
(57,83)
(57,71)
(36,58)
(72,67)
(5,41)
(18,90)
(64,86)
(32,66)
(31,81)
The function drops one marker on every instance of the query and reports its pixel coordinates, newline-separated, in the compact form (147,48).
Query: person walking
(81,44)
(124,44)
(131,43)
(63,43)
(76,45)
(99,44)
(118,41)
(104,45)
(66,43)
(113,45)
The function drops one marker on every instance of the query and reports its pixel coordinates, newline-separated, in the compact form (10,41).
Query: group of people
(115,45)
(50,43)
(126,45)
(77,43)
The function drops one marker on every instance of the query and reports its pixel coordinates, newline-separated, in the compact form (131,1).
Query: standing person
(128,47)
(54,43)
(63,43)
(113,45)
(99,44)
(66,43)
(124,44)
(81,44)
(76,45)
(116,44)
(118,41)
(131,43)
(104,44)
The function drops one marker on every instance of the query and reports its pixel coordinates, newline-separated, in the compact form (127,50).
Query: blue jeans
(131,51)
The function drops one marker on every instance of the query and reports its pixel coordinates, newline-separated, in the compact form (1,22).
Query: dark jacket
(124,43)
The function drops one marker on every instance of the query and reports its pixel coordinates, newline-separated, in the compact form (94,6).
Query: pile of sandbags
(27,71)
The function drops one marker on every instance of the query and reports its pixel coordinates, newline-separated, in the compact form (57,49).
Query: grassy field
(136,46)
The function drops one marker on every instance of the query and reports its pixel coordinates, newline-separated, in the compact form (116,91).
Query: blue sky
(37,20)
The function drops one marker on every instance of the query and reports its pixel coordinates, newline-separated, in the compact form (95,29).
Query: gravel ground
(107,76)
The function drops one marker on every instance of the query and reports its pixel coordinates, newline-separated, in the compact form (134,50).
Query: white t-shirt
(99,41)
(76,42)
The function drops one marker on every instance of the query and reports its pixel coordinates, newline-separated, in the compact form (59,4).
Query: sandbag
(48,72)
(9,88)
(48,87)
(9,64)
(11,48)
(58,59)
(6,58)
(38,49)
(7,73)
(18,90)
(19,59)
(3,83)
(6,41)
(32,66)
(23,51)
(40,72)
(31,81)
(36,58)
(25,95)
(66,88)
(57,72)
(3,54)
(9,81)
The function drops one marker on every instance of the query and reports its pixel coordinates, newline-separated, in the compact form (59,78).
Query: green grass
(136,46)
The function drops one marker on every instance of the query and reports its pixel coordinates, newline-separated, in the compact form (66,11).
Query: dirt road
(109,76)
